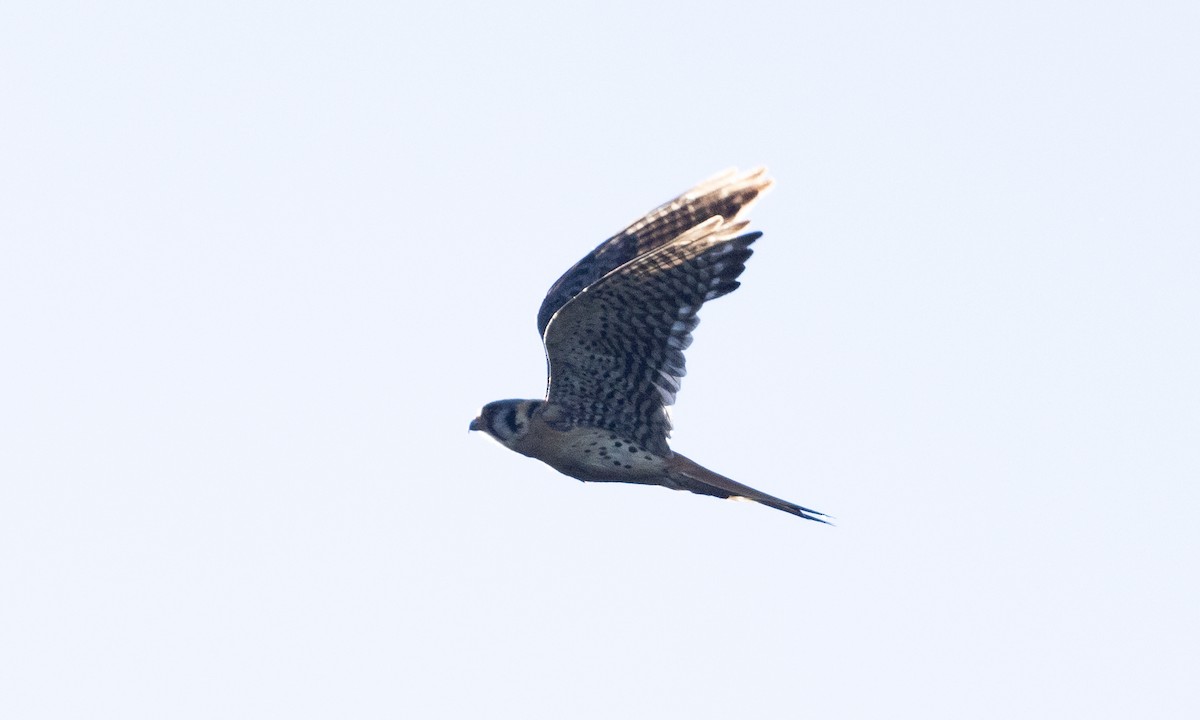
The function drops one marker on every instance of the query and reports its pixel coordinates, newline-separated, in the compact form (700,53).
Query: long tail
(688,475)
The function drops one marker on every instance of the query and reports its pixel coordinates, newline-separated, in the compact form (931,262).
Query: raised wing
(725,195)
(615,350)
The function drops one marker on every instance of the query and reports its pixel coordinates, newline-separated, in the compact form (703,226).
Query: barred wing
(615,350)
(725,195)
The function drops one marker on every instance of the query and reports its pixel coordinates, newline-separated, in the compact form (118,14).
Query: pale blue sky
(262,262)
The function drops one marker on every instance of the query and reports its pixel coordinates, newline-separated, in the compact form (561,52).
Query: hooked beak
(476,424)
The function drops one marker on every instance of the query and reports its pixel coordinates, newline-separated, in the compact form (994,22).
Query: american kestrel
(615,327)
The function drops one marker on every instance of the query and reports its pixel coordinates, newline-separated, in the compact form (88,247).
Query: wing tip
(731,181)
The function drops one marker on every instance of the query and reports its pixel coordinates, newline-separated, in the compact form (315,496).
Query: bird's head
(506,420)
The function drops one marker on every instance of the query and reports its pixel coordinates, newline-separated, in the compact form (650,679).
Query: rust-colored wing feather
(615,349)
(724,195)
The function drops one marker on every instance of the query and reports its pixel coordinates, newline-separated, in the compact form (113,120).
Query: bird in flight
(614,328)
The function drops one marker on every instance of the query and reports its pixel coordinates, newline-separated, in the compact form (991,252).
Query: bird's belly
(597,455)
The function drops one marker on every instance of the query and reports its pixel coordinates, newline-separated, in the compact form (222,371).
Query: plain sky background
(263,261)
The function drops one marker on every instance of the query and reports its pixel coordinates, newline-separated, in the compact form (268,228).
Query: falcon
(614,328)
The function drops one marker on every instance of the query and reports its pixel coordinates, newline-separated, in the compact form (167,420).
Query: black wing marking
(724,195)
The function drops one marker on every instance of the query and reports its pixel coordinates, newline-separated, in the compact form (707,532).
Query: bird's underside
(615,327)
